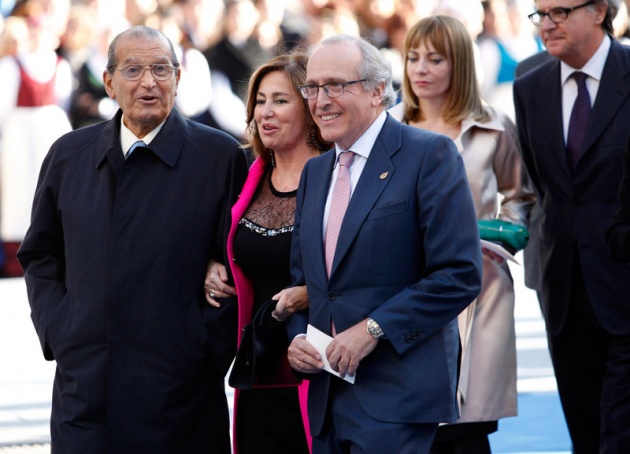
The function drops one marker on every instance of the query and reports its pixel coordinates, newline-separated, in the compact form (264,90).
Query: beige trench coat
(500,189)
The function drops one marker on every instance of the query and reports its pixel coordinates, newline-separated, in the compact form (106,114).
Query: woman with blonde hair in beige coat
(441,93)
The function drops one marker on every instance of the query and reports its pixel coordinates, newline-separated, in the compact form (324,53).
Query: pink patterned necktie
(338,205)
(578,122)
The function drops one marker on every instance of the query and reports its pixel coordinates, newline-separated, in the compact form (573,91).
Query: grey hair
(374,68)
(140,31)
(612,7)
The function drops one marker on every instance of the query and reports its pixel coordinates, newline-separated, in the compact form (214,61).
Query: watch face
(374,329)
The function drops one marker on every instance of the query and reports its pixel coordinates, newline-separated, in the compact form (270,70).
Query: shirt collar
(364,144)
(594,67)
(128,138)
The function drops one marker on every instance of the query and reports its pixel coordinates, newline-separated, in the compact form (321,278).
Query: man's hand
(348,348)
(303,357)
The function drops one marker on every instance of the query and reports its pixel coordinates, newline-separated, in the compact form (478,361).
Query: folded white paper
(499,250)
(320,341)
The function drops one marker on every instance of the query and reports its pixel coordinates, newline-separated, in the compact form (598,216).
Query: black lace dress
(268,419)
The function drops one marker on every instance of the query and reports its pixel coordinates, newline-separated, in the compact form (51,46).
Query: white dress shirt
(128,138)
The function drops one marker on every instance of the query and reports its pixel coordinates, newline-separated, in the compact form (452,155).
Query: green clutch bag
(511,236)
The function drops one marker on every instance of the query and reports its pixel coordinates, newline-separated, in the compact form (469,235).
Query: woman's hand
(215,283)
(290,300)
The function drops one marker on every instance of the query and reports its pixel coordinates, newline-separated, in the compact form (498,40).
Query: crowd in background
(220,43)
(52,57)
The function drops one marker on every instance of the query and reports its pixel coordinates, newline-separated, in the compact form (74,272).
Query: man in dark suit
(115,260)
(407,261)
(583,290)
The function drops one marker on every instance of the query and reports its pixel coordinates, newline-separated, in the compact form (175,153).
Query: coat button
(331,295)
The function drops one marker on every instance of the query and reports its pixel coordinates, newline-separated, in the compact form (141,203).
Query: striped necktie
(578,123)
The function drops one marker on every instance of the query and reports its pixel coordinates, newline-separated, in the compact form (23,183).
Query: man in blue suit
(407,261)
(584,292)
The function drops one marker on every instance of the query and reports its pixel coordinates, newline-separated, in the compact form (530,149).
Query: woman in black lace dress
(282,135)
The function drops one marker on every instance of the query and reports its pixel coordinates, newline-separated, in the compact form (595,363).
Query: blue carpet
(539,427)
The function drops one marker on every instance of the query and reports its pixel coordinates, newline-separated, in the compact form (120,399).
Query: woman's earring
(272,158)
(311,136)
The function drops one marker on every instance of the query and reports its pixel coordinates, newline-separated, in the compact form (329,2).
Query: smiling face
(146,102)
(279,113)
(345,118)
(429,73)
(575,40)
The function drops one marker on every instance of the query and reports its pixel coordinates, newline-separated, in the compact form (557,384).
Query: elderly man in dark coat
(115,260)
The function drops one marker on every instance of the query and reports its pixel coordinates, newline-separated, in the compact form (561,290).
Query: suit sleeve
(224,320)
(618,236)
(523,138)
(451,279)
(299,320)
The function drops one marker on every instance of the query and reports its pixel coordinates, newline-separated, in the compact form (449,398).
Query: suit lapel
(376,175)
(321,174)
(612,94)
(547,104)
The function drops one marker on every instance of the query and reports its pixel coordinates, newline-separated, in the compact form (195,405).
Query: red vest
(33,93)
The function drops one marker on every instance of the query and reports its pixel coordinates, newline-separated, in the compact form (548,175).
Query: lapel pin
(384,175)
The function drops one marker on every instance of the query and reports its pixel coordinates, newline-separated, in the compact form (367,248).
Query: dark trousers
(464,438)
(349,430)
(592,370)
(270,420)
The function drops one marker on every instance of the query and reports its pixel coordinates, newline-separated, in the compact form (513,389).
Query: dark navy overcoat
(114,261)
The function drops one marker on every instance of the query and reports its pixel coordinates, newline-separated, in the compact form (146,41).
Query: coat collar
(494,124)
(167,145)
(255,174)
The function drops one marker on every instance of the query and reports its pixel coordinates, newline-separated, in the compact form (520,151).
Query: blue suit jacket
(408,255)
(577,207)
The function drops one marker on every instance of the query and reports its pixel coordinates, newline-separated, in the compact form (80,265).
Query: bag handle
(267,308)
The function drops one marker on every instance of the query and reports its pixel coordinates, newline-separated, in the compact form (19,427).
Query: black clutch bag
(261,359)
(511,236)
